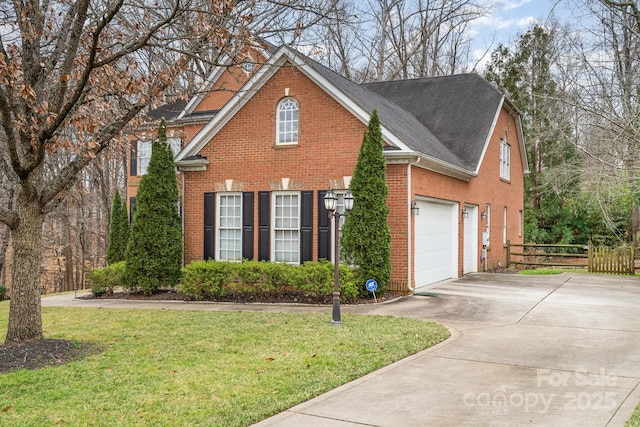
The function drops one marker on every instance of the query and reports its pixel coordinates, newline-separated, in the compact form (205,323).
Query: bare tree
(609,103)
(73,74)
(419,38)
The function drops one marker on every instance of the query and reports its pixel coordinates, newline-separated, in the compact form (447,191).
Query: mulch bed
(41,353)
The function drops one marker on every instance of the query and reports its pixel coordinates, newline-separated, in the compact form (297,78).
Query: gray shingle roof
(459,110)
(396,119)
(167,111)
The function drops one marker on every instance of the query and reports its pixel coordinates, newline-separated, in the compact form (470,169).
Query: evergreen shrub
(211,279)
(366,238)
(102,281)
(205,279)
(154,251)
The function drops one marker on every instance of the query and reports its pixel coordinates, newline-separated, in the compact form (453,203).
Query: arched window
(287,122)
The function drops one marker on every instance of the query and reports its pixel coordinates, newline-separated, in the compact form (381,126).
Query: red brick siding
(329,140)
(487,187)
(245,151)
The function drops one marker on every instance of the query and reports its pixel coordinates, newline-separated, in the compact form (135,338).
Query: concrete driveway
(558,350)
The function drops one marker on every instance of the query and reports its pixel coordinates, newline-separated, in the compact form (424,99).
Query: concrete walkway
(547,351)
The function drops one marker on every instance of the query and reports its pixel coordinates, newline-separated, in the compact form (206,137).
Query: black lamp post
(330,202)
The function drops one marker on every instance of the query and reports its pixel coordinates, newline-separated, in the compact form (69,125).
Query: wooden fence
(596,259)
(614,261)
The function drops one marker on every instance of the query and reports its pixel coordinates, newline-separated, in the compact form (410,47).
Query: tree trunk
(25,321)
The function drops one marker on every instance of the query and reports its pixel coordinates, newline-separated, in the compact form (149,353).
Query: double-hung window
(505,160)
(286,227)
(175,144)
(229,227)
(287,131)
(504,225)
(144,155)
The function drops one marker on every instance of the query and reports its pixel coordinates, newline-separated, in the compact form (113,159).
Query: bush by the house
(211,279)
(118,230)
(366,239)
(154,251)
(3,292)
(102,281)
(205,279)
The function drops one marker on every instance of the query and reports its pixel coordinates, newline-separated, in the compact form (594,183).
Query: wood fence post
(508,253)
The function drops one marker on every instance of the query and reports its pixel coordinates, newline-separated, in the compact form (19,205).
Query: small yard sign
(371,286)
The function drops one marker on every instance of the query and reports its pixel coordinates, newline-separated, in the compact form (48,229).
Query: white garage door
(436,242)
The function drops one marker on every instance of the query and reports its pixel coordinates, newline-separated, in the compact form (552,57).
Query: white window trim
(219,196)
(274,197)
(504,225)
(505,160)
(297,121)
(520,222)
(139,169)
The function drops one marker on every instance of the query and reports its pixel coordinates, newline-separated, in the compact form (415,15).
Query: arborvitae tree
(154,253)
(118,230)
(366,239)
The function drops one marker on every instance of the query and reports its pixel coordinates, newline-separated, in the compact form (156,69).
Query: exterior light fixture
(465,213)
(415,209)
(483,215)
(330,201)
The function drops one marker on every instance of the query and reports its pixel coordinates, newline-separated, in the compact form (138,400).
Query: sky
(508,20)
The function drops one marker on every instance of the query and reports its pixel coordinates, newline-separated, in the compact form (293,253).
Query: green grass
(634,421)
(547,271)
(178,368)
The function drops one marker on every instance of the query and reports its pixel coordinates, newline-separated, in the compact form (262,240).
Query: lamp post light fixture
(330,204)
(415,209)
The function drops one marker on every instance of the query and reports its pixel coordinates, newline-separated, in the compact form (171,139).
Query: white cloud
(510,5)
(527,21)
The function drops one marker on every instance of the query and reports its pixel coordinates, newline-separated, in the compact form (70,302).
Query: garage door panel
(435,242)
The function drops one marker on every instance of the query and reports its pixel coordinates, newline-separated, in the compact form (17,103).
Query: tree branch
(9,218)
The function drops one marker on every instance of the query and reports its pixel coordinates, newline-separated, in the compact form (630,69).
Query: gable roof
(260,46)
(459,110)
(396,120)
(406,124)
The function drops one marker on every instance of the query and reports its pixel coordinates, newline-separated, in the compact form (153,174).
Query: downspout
(409,218)
(182,213)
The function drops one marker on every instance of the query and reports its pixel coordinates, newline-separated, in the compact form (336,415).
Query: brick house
(254,175)
(185,119)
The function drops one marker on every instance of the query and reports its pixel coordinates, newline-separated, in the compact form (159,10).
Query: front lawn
(159,367)
(634,421)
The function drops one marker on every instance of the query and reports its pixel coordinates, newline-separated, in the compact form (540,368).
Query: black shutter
(247,225)
(133,159)
(209,225)
(306,227)
(132,207)
(324,229)
(264,222)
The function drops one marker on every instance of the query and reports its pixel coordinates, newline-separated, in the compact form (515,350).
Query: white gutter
(409,230)
(429,163)
(182,215)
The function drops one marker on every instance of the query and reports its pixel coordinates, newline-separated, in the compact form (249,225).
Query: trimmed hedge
(102,281)
(214,279)
(209,280)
